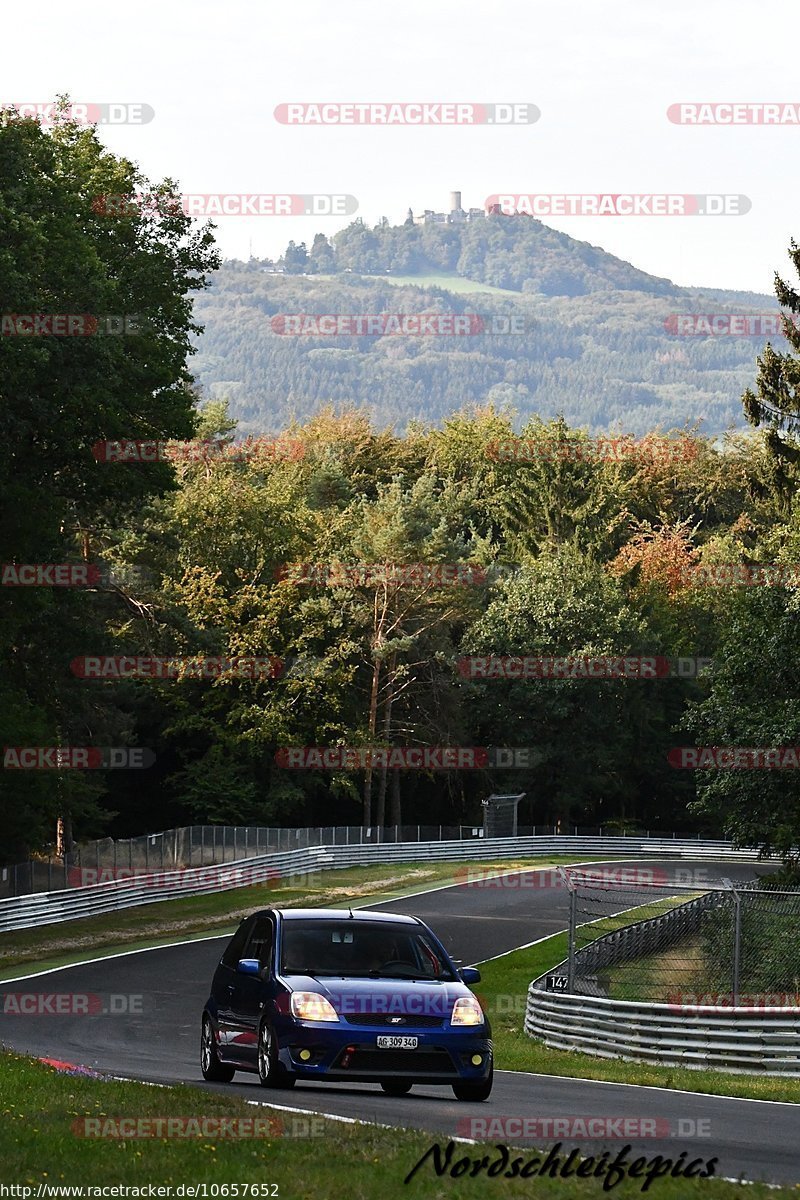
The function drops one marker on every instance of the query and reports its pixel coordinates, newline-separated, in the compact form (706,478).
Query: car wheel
(270,1072)
(213,1070)
(396,1087)
(474,1091)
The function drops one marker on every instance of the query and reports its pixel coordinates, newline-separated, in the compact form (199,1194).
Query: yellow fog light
(477,1059)
(305,1055)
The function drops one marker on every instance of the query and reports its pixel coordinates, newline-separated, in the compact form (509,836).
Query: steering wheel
(397,962)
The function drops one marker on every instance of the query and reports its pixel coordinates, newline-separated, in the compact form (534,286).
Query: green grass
(197,916)
(38,1144)
(503,990)
(680,968)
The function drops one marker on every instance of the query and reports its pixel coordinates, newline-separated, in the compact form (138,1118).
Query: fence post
(737,944)
(572,922)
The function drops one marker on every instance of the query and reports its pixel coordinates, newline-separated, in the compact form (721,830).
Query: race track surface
(752,1139)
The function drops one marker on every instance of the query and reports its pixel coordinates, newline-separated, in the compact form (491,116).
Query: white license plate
(397,1043)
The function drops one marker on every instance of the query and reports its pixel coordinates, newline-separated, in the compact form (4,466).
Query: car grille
(410,1020)
(433,1062)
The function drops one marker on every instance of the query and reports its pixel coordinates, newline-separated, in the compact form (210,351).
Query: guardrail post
(737,939)
(571,933)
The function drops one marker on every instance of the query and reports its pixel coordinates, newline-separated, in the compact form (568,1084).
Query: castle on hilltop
(455,217)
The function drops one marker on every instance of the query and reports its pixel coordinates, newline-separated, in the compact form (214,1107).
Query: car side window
(236,945)
(259,944)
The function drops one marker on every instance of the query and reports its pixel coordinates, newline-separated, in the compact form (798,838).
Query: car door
(250,993)
(224,985)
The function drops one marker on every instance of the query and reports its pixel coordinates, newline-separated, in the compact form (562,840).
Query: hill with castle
(557,326)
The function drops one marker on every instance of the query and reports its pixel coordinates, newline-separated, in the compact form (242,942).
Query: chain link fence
(682,938)
(207,845)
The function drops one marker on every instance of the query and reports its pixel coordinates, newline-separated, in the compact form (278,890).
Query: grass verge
(44,1111)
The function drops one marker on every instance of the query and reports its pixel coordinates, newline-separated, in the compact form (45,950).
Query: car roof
(338,914)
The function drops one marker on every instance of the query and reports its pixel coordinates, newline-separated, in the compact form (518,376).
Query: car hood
(401,997)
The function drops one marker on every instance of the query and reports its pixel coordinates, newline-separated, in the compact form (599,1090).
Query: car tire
(396,1087)
(271,1073)
(474,1091)
(212,1069)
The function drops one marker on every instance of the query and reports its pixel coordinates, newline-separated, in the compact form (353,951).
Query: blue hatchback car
(323,994)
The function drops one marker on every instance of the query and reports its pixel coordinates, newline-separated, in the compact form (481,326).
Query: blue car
(322,994)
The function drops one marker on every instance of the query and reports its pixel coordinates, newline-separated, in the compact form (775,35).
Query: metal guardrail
(210,845)
(742,1040)
(46,908)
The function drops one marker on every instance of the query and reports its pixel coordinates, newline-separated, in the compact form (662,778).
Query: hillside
(594,339)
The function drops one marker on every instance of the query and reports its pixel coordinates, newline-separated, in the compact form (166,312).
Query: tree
(63,250)
(295,259)
(776,402)
(322,258)
(753,703)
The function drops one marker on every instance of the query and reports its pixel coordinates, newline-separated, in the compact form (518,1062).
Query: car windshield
(353,948)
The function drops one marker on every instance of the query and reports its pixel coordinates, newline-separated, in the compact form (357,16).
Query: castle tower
(455,202)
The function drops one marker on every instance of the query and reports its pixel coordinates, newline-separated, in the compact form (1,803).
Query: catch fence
(687,940)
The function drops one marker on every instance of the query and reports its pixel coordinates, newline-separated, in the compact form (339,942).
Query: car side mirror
(248,966)
(470,975)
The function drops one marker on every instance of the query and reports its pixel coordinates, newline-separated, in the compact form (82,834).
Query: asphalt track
(753,1140)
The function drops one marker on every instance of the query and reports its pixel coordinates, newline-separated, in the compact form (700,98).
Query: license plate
(397,1043)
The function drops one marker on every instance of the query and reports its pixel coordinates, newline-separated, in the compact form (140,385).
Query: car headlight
(311,1006)
(467,1011)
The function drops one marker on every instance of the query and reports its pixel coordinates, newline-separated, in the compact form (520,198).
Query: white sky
(603,76)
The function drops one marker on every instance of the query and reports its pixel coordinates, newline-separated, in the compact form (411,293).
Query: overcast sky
(603,76)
